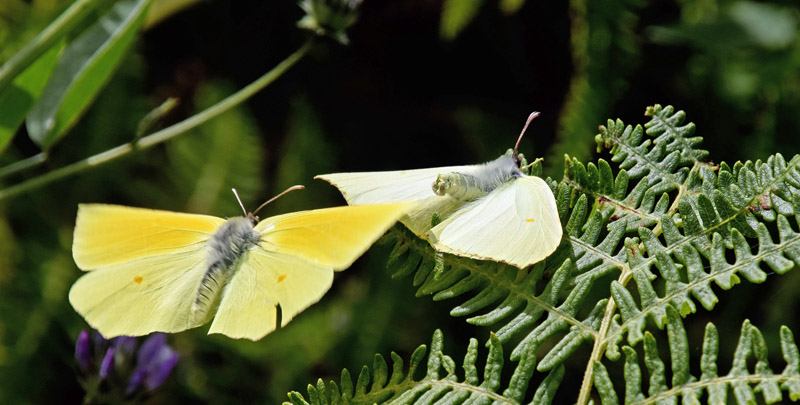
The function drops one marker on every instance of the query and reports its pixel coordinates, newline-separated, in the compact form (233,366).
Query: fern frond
(440,384)
(664,159)
(710,387)
(650,238)
(711,228)
(501,290)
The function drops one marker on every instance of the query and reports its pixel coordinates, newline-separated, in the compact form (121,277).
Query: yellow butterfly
(490,211)
(164,271)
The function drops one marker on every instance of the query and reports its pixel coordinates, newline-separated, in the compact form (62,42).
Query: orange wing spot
(529,220)
(281,277)
(138,279)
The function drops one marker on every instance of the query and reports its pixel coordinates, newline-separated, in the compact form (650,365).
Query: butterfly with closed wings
(151,270)
(490,212)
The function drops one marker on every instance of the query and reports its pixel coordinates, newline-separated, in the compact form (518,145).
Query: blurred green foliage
(421,84)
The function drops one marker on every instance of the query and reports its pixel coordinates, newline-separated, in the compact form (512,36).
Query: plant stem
(163,135)
(23,164)
(597,353)
(44,40)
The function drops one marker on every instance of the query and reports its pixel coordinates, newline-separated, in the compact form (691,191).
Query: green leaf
(441,384)
(56,31)
(85,66)
(25,89)
(511,6)
(456,16)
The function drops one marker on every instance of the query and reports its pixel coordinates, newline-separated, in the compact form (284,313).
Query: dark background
(400,96)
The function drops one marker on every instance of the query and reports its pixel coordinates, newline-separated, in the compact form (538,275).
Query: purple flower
(154,363)
(97,339)
(124,345)
(107,364)
(83,351)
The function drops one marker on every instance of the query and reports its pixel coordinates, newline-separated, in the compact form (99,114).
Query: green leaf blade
(25,89)
(85,66)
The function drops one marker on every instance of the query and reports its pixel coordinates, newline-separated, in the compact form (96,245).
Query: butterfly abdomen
(226,248)
(481,181)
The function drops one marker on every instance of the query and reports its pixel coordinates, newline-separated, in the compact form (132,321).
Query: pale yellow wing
(106,235)
(516,223)
(400,185)
(389,186)
(333,237)
(249,303)
(149,294)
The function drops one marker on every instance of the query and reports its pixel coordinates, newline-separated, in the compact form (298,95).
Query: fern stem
(728,380)
(597,351)
(608,200)
(163,135)
(673,208)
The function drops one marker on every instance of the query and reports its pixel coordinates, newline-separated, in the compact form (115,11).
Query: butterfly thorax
(226,248)
(479,182)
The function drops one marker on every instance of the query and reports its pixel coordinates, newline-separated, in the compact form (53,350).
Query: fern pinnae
(441,383)
(665,164)
(603,384)
(723,273)
(744,384)
(569,343)
(768,386)
(492,282)
(559,320)
(791,373)
(708,366)
(633,376)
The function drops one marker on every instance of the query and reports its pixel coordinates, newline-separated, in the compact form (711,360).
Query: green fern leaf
(744,383)
(441,383)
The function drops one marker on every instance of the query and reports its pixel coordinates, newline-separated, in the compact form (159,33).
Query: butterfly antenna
(292,188)
(528,122)
(239,200)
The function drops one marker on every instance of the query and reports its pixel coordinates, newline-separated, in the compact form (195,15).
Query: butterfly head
(443,183)
(254,219)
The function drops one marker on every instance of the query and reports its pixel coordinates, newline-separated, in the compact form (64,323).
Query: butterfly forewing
(333,237)
(389,186)
(400,185)
(106,235)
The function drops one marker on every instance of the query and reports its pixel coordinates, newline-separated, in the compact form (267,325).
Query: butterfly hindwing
(248,308)
(516,223)
(293,264)
(141,296)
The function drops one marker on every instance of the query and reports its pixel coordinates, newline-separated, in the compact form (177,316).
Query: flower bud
(329,17)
